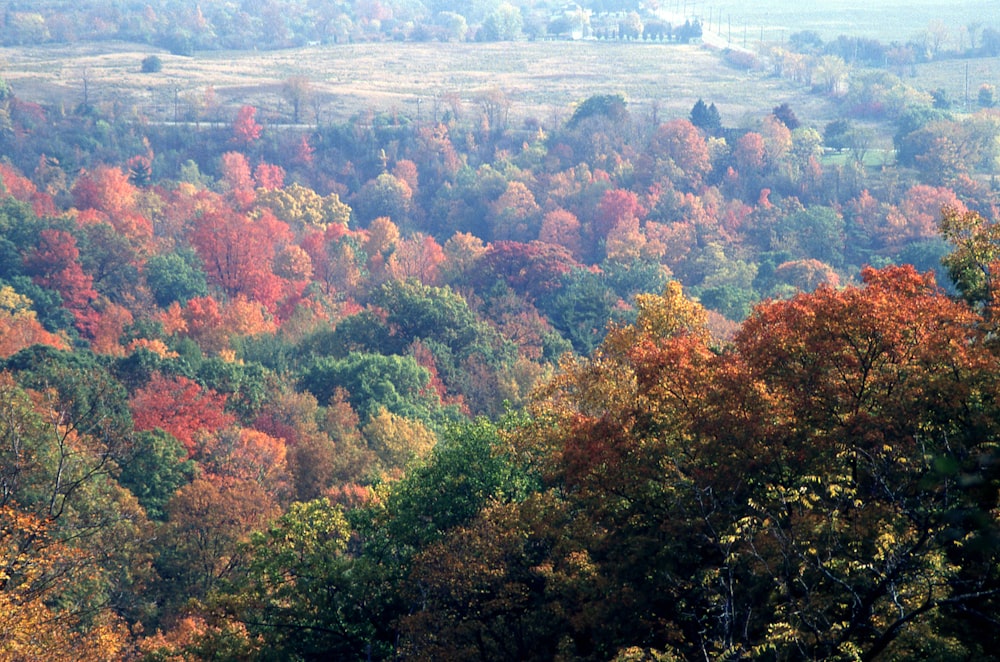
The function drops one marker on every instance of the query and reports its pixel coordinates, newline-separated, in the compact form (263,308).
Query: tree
(372,382)
(71,539)
(810,456)
(786,116)
(158,468)
(387,196)
(151,64)
(610,106)
(246,130)
(881,427)
(54,264)
(297,90)
(398,442)
(33,627)
(503,24)
(205,534)
(706,117)
(180,407)
(298,593)
(975,256)
(680,142)
(515,214)
(19,325)
(238,253)
(175,276)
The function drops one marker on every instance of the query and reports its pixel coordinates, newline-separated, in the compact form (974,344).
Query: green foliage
(89,399)
(581,309)
(297,592)
(503,24)
(157,468)
(373,381)
(417,311)
(466,470)
(246,384)
(47,304)
(706,117)
(610,106)
(836,134)
(176,276)
(151,64)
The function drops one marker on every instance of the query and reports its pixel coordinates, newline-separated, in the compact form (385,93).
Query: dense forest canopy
(460,385)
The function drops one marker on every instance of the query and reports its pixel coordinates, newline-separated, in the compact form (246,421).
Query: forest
(475,386)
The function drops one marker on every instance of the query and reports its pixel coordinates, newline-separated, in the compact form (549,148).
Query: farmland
(542,80)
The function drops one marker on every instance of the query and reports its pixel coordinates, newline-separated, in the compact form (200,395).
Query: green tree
(503,24)
(706,117)
(176,276)
(297,592)
(152,64)
(373,381)
(159,466)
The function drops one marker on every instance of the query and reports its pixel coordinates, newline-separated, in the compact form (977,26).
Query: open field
(543,80)
(954,76)
(886,20)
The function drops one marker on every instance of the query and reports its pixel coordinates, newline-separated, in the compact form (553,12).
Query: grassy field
(542,80)
(954,76)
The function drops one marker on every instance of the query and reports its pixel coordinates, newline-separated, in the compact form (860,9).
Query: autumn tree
(297,90)
(180,407)
(974,259)
(54,264)
(238,253)
(680,144)
(246,130)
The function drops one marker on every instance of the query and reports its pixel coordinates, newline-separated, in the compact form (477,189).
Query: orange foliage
(242,454)
(21,188)
(181,407)
(33,578)
(245,127)
(616,206)
(418,256)
(108,190)
(155,345)
(203,323)
(242,317)
(239,253)
(20,331)
(563,228)
(684,145)
(107,327)
(268,176)
(407,171)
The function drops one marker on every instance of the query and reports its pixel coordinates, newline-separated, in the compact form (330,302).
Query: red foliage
(245,127)
(55,264)
(616,206)
(239,253)
(268,176)
(181,407)
(532,269)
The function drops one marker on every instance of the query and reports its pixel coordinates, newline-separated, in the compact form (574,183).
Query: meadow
(542,80)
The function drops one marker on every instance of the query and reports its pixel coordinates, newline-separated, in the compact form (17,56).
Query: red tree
(55,264)
(245,127)
(181,407)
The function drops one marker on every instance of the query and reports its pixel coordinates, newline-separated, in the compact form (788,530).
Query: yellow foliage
(398,440)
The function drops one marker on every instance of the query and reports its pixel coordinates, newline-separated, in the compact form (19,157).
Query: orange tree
(821,488)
